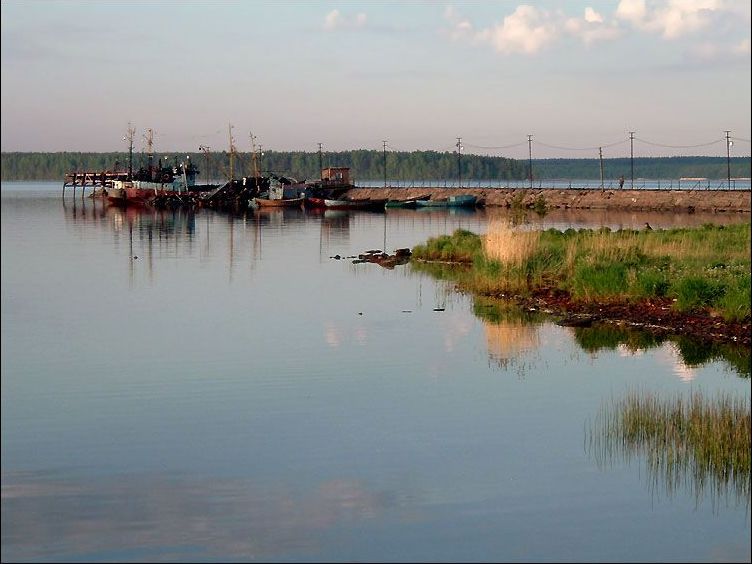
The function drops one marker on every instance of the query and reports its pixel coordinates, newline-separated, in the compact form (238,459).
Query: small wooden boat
(360,204)
(461,200)
(279,202)
(410,203)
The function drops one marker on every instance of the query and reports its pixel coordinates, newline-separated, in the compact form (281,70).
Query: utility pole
(321,164)
(530,159)
(459,162)
(600,156)
(728,158)
(631,159)
(384,163)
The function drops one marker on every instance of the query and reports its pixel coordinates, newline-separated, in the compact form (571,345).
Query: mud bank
(734,201)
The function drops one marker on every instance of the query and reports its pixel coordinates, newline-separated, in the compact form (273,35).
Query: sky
(574,75)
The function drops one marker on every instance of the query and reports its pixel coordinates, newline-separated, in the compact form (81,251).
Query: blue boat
(460,200)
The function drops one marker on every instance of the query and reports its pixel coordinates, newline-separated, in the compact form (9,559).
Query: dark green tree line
(368,165)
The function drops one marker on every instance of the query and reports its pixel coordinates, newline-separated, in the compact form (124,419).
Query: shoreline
(687,201)
(653,315)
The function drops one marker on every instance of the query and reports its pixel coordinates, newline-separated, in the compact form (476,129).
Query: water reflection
(166,518)
(685,354)
(512,332)
(693,443)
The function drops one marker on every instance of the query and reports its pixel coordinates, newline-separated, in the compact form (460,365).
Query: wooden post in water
(600,156)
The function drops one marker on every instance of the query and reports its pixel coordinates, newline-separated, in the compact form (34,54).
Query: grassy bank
(698,269)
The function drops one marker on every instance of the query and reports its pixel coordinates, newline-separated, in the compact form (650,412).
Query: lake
(205,386)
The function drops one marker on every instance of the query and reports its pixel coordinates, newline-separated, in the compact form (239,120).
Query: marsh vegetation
(701,269)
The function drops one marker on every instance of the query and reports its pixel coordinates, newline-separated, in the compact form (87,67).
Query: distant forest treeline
(369,165)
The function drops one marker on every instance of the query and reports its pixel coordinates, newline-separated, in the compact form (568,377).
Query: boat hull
(364,204)
(451,201)
(279,203)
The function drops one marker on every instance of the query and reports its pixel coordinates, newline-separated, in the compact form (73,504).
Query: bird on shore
(647,226)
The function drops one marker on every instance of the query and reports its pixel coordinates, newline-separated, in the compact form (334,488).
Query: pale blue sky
(573,74)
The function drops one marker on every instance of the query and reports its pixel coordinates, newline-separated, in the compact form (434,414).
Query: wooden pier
(102,179)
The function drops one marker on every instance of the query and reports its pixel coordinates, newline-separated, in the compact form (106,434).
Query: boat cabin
(336,175)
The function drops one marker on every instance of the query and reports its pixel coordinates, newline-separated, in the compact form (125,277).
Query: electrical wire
(614,144)
(499,147)
(740,139)
(680,146)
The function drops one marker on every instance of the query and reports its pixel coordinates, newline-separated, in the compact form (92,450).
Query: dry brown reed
(508,245)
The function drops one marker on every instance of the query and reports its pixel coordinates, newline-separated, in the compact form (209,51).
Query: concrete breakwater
(570,198)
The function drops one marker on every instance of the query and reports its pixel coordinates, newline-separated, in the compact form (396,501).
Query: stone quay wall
(645,200)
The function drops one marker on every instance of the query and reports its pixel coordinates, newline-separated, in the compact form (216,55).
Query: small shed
(336,175)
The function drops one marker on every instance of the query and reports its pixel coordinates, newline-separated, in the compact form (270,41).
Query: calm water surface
(212,387)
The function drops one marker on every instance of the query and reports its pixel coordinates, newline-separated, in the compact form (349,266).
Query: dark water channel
(181,386)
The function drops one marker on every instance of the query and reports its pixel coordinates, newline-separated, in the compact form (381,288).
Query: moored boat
(346,204)
(460,200)
(410,203)
(279,202)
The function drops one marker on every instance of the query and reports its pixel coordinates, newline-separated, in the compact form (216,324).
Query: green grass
(706,268)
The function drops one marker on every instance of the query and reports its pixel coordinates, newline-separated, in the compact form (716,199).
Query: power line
(582,148)
(680,146)
(496,147)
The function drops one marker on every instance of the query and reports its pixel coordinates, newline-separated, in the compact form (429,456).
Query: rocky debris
(656,315)
(400,256)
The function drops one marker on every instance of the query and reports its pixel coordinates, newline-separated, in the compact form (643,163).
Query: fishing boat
(154,180)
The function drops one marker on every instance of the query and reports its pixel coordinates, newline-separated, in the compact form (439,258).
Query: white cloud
(527,30)
(671,19)
(591,16)
(632,11)
(335,20)
(591,28)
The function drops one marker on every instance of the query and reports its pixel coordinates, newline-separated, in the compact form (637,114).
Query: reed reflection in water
(688,441)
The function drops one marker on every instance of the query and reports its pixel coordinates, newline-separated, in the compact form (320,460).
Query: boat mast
(255,161)
(150,152)
(232,152)
(129,138)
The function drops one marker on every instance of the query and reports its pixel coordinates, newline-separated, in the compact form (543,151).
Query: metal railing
(568,184)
